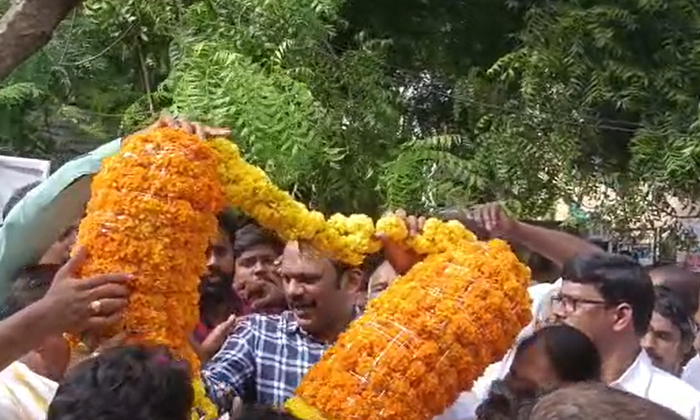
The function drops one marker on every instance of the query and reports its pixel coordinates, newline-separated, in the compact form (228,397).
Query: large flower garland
(422,342)
(153,213)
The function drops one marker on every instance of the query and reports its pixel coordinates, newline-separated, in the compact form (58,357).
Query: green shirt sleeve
(34,224)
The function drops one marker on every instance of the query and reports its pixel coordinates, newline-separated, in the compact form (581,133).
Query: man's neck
(335,329)
(616,360)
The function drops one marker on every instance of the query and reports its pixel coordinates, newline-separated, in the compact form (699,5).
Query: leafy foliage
(356,105)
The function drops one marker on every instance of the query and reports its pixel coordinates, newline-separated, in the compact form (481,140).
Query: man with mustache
(265,357)
(256,278)
(671,332)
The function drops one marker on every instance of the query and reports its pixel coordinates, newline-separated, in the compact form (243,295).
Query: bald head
(596,401)
(683,283)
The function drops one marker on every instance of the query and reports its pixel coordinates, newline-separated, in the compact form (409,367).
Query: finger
(400,213)
(71,267)
(494,215)
(412,224)
(198,130)
(109,306)
(185,126)
(100,322)
(421,224)
(103,279)
(108,291)
(165,120)
(216,132)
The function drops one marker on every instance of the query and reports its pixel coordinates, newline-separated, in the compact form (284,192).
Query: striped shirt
(24,395)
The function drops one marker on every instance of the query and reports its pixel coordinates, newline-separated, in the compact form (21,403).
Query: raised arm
(554,245)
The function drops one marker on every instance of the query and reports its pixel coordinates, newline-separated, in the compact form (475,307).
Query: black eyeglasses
(571,303)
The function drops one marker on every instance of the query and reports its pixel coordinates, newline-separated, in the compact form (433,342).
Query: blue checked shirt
(262,361)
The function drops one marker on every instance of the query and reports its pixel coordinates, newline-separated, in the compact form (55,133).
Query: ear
(352,280)
(623,317)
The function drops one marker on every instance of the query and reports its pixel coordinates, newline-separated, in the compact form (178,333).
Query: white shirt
(465,406)
(24,395)
(691,372)
(647,381)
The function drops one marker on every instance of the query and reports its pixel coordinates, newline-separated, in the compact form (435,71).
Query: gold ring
(95,307)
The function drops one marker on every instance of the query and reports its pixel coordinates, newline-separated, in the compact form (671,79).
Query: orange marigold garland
(428,337)
(152,213)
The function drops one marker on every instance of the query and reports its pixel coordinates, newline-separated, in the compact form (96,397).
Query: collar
(637,377)
(291,326)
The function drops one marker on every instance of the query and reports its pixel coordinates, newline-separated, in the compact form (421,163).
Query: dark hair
(260,412)
(618,279)
(503,403)
(669,305)
(128,383)
(252,235)
(17,196)
(572,354)
(230,222)
(29,287)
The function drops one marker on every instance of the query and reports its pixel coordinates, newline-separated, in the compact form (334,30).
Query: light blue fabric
(34,223)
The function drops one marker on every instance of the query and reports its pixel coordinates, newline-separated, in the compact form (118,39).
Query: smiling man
(266,356)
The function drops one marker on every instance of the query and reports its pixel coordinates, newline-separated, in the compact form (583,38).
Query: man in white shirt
(611,299)
(28,384)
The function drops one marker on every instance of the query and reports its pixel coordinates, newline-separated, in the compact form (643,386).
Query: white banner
(17,172)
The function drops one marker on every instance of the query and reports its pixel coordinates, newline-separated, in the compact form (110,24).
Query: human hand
(78,305)
(202,131)
(216,338)
(401,257)
(494,218)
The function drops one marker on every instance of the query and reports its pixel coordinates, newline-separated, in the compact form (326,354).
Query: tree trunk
(26,27)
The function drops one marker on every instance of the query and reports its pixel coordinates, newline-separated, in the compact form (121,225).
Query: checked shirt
(262,361)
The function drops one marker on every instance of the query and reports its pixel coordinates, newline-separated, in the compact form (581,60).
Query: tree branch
(26,27)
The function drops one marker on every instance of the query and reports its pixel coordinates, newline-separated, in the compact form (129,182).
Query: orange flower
(427,337)
(153,213)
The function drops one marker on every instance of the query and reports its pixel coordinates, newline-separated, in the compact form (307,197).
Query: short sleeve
(231,371)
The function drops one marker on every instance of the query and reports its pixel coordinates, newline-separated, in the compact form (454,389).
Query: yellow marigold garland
(152,213)
(428,337)
(346,238)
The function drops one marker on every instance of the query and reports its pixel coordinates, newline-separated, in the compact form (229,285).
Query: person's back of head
(622,283)
(129,383)
(570,353)
(596,401)
(17,196)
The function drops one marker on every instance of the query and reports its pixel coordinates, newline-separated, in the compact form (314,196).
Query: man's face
(219,262)
(313,290)
(257,280)
(54,356)
(664,345)
(381,279)
(582,307)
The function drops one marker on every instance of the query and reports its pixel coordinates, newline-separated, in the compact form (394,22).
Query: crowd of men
(609,338)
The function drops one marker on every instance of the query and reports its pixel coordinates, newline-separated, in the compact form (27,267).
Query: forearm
(555,245)
(25,331)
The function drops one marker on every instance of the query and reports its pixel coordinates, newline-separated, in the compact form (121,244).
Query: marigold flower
(427,337)
(152,213)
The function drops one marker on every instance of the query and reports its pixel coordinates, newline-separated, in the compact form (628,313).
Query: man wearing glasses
(611,299)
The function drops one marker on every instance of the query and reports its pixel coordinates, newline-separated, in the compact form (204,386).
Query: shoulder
(674,393)
(262,323)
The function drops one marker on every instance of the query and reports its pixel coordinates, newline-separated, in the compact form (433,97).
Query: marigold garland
(427,337)
(345,238)
(152,213)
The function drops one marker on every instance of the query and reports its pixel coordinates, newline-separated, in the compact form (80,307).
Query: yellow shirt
(24,395)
